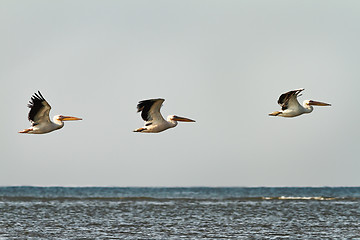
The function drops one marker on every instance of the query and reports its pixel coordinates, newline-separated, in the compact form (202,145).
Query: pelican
(39,116)
(290,107)
(154,121)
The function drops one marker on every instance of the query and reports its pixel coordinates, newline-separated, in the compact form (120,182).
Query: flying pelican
(39,116)
(290,107)
(154,121)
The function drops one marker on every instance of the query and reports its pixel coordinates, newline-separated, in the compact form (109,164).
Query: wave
(306,198)
(29,193)
(169,199)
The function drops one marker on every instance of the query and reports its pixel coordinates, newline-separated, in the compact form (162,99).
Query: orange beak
(182,119)
(316,103)
(70,118)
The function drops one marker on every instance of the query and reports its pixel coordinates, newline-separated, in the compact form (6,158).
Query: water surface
(179,213)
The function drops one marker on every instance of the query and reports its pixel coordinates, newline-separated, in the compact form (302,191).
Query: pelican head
(315,103)
(66,118)
(180,119)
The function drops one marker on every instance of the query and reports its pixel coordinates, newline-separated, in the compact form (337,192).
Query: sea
(28,212)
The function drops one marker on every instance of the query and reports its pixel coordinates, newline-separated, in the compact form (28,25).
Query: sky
(222,63)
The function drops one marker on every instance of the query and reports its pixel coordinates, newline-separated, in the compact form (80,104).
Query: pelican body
(290,107)
(154,121)
(39,117)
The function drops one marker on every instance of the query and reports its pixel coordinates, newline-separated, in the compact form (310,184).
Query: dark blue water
(179,213)
(187,192)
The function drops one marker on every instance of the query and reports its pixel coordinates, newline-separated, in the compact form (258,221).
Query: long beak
(182,119)
(69,118)
(316,103)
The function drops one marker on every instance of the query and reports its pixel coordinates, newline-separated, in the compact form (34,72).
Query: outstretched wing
(39,109)
(150,110)
(289,99)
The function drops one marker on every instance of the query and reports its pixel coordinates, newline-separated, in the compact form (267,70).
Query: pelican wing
(39,109)
(289,99)
(150,109)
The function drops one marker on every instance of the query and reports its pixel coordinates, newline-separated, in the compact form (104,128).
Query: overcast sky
(223,63)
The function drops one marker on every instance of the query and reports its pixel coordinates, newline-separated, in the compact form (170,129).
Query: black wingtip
(144,107)
(41,95)
(36,97)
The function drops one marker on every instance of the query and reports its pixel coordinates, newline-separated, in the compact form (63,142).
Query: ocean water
(179,213)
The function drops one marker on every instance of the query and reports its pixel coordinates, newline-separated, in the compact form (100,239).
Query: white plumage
(154,121)
(290,107)
(39,116)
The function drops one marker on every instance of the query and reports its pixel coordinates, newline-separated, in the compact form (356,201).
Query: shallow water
(175,213)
